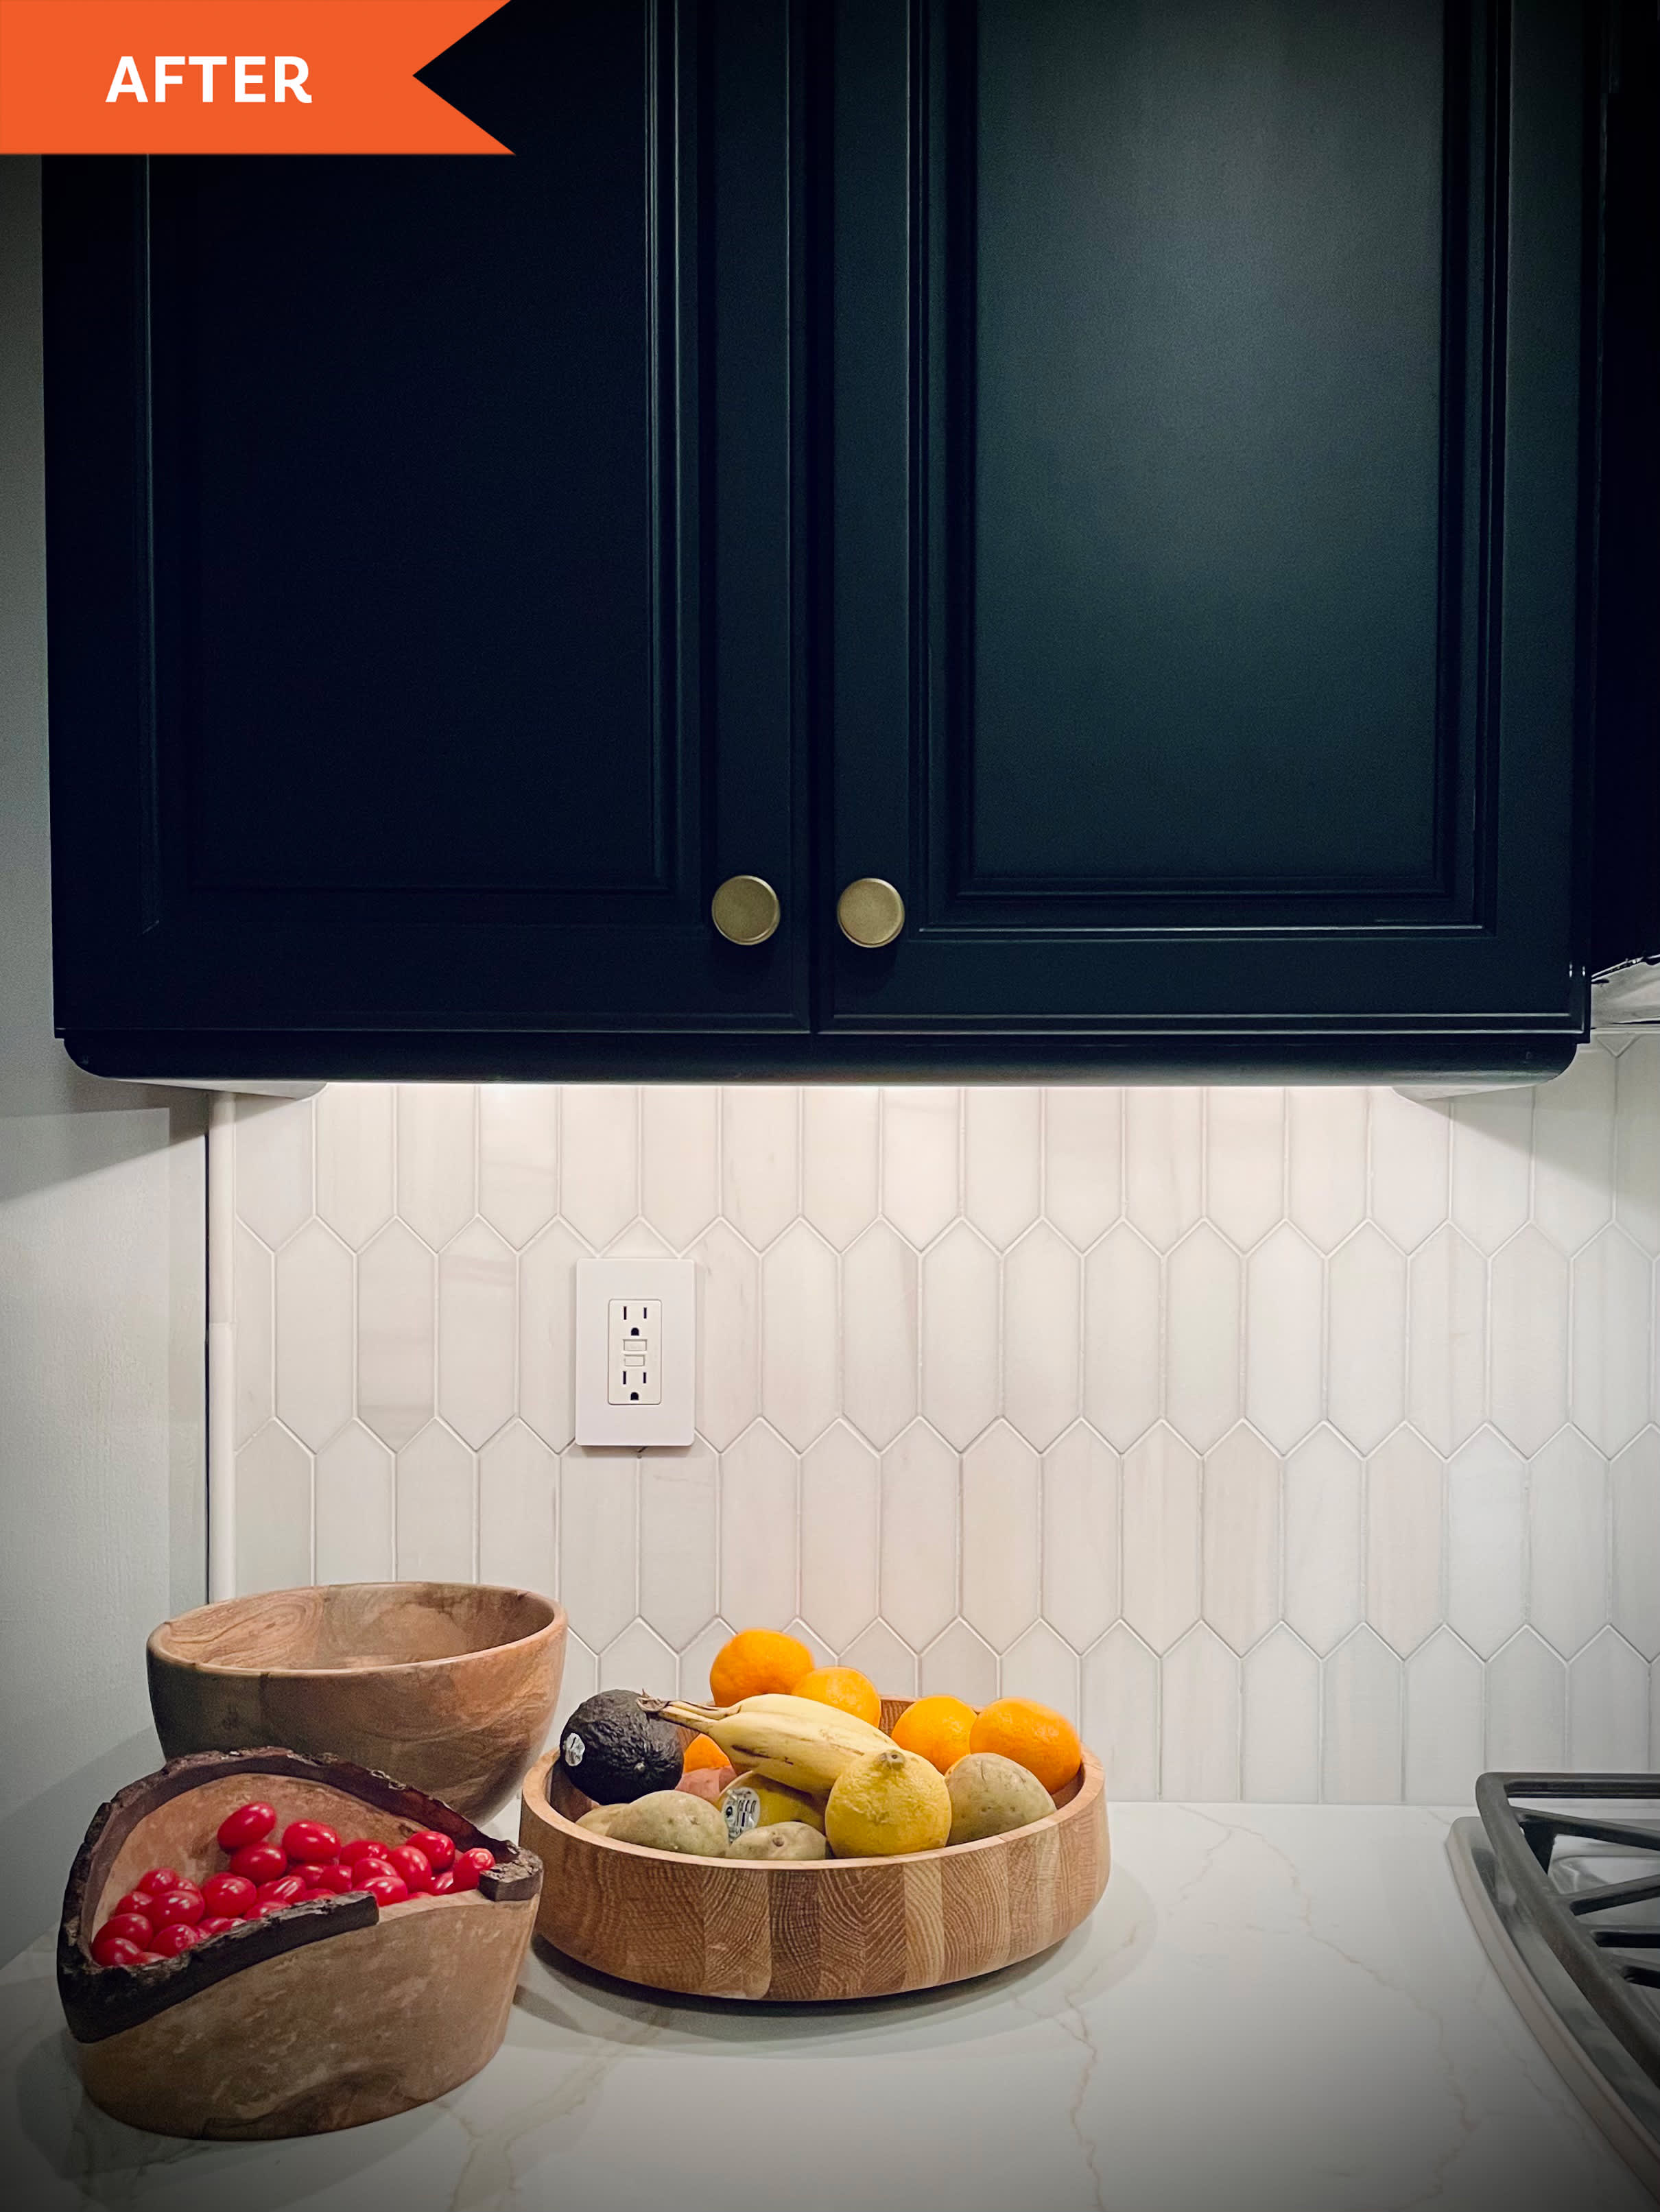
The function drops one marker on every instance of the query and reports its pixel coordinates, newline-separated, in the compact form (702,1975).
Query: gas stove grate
(1590,1947)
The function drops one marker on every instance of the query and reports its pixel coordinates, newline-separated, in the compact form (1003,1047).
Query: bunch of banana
(792,1739)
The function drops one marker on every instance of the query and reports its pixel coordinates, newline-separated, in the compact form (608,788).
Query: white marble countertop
(1274,2009)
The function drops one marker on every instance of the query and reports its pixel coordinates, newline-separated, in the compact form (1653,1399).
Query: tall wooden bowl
(449,1686)
(332,2013)
(819,1928)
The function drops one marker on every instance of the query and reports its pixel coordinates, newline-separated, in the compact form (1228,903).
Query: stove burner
(1566,1899)
(1525,1842)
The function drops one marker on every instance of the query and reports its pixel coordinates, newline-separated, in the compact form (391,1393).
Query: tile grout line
(1608,1640)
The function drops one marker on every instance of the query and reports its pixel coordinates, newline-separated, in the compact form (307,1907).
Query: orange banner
(231,76)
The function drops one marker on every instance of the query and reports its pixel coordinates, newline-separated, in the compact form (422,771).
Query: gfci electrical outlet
(634,1375)
(636,1350)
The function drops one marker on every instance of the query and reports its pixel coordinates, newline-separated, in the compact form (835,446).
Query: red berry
(178,1936)
(177,1904)
(387,1888)
(287,1889)
(443,1882)
(469,1865)
(227,1893)
(440,1850)
(259,1862)
(264,1912)
(158,1879)
(216,1925)
(414,1865)
(331,1880)
(133,1926)
(248,1824)
(310,1843)
(115,1950)
(362,1847)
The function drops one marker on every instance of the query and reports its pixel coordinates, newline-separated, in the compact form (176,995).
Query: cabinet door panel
(413,618)
(1206,457)
(419,682)
(1210,463)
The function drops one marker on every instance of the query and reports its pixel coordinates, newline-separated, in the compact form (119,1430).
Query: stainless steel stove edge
(1609,2084)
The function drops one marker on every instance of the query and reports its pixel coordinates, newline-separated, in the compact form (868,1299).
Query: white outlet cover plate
(672,1284)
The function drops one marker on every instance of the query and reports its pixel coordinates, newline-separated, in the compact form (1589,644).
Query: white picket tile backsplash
(354,1497)
(1303,1443)
(1279,1720)
(356,1186)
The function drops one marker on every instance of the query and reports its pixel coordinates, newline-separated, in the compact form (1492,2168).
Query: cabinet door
(1207,513)
(413,666)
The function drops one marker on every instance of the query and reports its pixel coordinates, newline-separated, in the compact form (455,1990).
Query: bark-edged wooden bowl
(450,1686)
(818,1928)
(332,2013)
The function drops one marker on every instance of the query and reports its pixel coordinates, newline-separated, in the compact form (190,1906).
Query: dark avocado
(616,1753)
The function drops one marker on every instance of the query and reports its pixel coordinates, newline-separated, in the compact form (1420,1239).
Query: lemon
(894,1801)
(754,1802)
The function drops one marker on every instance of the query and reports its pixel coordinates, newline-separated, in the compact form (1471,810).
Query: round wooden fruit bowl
(821,1929)
(329,2014)
(450,1686)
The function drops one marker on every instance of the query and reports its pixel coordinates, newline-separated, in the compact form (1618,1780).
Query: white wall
(101,1270)
(1304,1442)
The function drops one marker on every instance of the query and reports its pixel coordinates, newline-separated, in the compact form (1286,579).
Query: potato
(990,1795)
(779,1839)
(598,1822)
(671,1820)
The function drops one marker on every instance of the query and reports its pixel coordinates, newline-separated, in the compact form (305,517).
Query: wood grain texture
(370,2023)
(332,2013)
(830,1928)
(451,1686)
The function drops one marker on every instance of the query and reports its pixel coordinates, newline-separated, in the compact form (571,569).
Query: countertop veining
(1276,2008)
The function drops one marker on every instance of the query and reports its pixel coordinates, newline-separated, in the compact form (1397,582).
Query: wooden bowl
(819,1928)
(332,2014)
(449,1686)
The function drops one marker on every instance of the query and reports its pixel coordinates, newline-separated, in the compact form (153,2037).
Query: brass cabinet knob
(745,909)
(871,912)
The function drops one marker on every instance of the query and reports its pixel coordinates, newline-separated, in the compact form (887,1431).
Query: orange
(936,1728)
(845,1688)
(1034,1736)
(702,1751)
(757,1663)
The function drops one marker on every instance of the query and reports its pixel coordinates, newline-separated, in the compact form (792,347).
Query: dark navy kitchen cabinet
(1209,514)
(1116,482)
(420,559)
